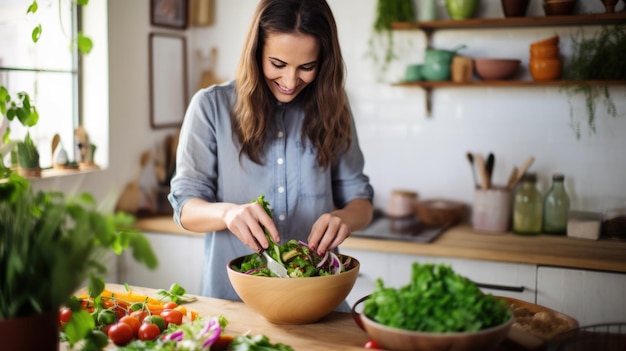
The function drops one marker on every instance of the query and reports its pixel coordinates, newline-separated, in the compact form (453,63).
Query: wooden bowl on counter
(406,340)
(293,300)
(535,325)
(441,212)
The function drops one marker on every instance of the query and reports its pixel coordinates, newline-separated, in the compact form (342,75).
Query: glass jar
(528,207)
(556,207)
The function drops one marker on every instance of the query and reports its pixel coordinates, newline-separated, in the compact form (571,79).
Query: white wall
(404,148)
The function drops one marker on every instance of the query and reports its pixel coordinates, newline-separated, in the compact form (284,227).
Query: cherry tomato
(371,344)
(182,309)
(108,303)
(140,315)
(133,322)
(105,329)
(148,331)
(170,305)
(65,314)
(172,317)
(158,320)
(121,334)
(120,311)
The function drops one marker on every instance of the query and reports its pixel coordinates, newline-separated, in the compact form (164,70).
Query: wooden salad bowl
(293,300)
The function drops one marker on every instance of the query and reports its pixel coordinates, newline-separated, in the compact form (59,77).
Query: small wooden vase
(609,5)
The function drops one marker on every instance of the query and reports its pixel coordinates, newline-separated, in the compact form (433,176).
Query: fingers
(327,233)
(246,221)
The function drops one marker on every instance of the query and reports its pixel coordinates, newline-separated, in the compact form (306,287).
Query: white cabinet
(180,261)
(589,296)
(505,279)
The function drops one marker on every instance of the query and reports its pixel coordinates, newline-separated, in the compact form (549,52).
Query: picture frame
(167,79)
(169,13)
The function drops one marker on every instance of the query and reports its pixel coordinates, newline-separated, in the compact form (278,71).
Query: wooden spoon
(482,171)
(521,172)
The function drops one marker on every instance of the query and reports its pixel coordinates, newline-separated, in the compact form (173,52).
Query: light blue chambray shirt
(294,184)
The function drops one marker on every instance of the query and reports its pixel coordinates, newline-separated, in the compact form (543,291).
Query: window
(46,70)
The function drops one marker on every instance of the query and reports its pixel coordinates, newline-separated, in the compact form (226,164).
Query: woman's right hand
(246,221)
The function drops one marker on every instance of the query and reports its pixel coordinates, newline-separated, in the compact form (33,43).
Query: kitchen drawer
(592,297)
(180,261)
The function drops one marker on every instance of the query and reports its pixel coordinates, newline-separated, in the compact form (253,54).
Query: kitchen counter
(463,242)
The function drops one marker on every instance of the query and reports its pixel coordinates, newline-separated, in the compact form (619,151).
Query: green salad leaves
(295,255)
(436,300)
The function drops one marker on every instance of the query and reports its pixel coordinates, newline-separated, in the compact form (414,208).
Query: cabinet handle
(500,287)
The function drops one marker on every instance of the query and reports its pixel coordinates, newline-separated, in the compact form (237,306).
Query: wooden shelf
(543,21)
(429,86)
(507,83)
(429,27)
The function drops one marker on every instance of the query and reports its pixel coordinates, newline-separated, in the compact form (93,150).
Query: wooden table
(336,331)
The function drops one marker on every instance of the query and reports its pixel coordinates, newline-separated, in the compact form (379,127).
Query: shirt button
(281,134)
(281,189)
(281,217)
(280,161)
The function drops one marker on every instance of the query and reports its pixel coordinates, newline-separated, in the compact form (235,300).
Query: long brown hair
(328,121)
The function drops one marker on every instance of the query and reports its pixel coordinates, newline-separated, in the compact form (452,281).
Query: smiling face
(290,63)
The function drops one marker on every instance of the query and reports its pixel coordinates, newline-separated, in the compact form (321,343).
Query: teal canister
(437,63)
(556,207)
(528,207)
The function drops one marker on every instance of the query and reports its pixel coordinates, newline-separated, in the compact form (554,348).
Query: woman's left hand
(328,232)
(331,229)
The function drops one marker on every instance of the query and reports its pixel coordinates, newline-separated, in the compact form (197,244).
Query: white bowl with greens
(437,310)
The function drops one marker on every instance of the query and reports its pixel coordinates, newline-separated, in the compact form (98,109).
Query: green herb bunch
(436,300)
(50,246)
(596,58)
(381,42)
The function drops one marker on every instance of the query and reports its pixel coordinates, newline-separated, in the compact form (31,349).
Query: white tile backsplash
(406,148)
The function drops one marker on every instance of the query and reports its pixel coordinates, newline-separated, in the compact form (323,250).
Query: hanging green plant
(597,58)
(381,41)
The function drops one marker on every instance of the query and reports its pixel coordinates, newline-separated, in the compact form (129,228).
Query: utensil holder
(492,209)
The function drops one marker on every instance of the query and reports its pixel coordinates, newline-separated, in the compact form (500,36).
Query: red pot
(33,333)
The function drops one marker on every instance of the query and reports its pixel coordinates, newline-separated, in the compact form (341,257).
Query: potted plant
(596,58)
(382,41)
(52,245)
(25,151)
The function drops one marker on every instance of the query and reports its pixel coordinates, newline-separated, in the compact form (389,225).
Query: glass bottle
(556,207)
(528,207)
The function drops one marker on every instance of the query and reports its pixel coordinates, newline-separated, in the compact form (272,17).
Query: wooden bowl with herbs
(437,310)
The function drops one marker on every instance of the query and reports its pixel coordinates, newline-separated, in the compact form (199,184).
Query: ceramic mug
(413,73)
(492,209)
(461,9)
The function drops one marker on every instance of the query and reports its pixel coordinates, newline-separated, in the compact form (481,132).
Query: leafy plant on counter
(381,41)
(51,245)
(599,58)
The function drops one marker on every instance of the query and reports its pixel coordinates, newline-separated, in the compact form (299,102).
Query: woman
(282,129)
